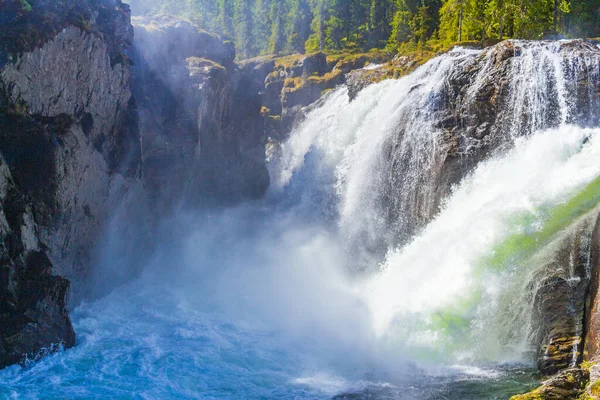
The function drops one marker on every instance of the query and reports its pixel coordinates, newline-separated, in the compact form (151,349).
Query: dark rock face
(69,152)
(83,141)
(202,137)
(481,110)
(560,289)
(33,316)
(76,115)
(487,100)
(592,322)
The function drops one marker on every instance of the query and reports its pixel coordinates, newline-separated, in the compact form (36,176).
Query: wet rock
(169,40)
(288,84)
(303,92)
(33,303)
(76,143)
(569,384)
(361,78)
(314,64)
(592,322)
(559,305)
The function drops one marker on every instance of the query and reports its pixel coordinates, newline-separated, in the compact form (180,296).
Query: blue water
(238,306)
(145,341)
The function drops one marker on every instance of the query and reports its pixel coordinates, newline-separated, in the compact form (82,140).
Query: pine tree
(225,17)
(278,20)
(298,25)
(262,25)
(244,28)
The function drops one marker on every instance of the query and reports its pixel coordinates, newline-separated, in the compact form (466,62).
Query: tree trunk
(460,21)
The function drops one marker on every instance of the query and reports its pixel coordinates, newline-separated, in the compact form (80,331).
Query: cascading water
(400,250)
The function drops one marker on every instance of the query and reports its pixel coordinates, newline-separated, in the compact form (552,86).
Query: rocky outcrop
(486,101)
(33,316)
(202,137)
(566,302)
(569,384)
(70,151)
(289,84)
(486,105)
(99,143)
(560,288)
(359,79)
(90,150)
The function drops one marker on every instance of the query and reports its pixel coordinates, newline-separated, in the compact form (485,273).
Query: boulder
(569,384)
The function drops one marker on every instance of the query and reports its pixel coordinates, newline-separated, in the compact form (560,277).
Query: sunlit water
(289,297)
(148,342)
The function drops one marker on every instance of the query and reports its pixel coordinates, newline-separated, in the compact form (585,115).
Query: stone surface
(592,328)
(33,316)
(70,154)
(203,137)
(569,384)
(559,305)
(78,112)
(288,85)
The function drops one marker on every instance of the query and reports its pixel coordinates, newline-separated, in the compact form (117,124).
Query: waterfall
(437,183)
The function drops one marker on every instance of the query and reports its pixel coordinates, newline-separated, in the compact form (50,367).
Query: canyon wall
(97,140)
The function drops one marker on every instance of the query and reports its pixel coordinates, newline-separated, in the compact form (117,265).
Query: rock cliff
(94,146)
(202,136)
(68,150)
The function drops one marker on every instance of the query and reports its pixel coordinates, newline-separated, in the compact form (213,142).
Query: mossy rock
(594,388)
(569,384)
(291,85)
(204,63)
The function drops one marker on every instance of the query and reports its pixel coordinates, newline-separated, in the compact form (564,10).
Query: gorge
(175,223)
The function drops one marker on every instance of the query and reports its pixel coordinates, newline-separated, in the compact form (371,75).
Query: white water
(337,161)
(315,291)
(440,267)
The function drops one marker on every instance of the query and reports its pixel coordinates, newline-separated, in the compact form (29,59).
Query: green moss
(326,79)
(289,61)
(25,6)
(272,76)
(265,111)
(586,365)
(534,395)
(84,23)
(291,85)
(594,388)
(19,108)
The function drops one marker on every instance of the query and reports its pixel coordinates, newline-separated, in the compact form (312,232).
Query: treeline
(290,26)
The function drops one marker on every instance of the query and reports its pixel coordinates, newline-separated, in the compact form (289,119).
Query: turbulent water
(314,293)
